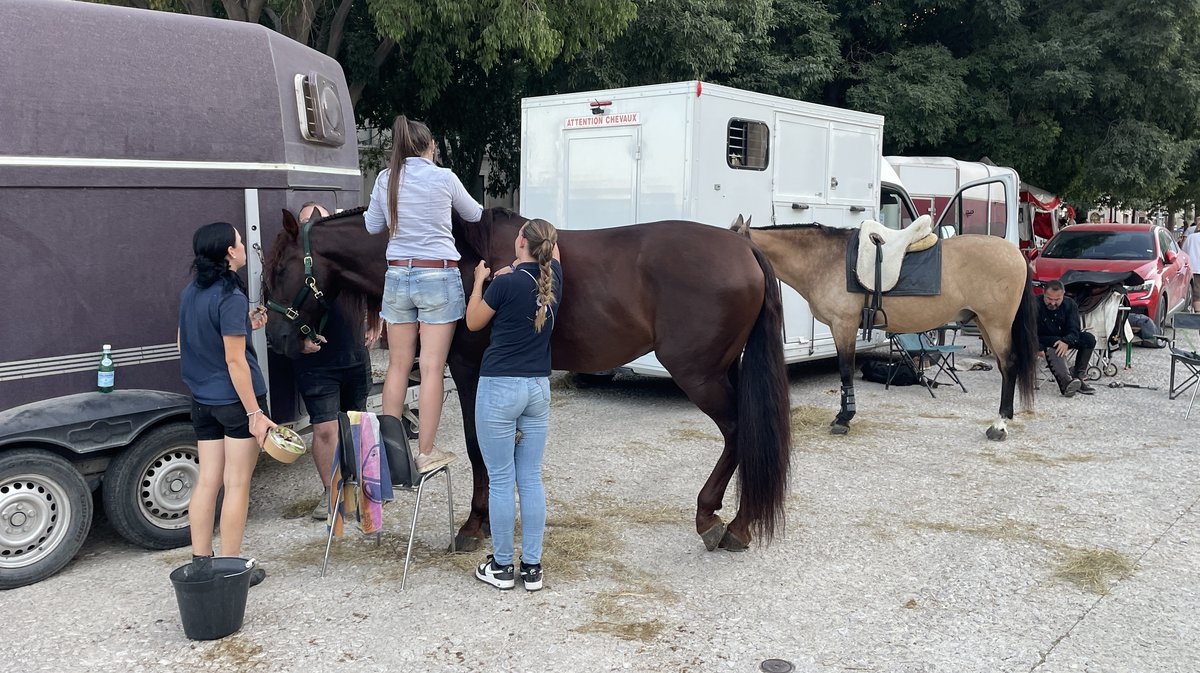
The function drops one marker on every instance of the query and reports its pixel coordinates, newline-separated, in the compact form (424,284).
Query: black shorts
(326,391)
(223,420)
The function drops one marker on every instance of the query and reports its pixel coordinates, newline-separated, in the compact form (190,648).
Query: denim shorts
(433,296)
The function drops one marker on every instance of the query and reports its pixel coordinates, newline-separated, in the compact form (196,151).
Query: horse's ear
(748,219)
(741,226)
(289,223)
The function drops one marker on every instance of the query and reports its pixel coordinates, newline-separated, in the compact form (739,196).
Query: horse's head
(296,290)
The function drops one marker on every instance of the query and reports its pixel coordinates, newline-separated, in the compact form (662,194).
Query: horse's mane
(477,237)
(815,226)
(345,213)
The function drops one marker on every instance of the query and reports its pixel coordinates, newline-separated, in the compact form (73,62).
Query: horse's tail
(764,425)
(1024,358)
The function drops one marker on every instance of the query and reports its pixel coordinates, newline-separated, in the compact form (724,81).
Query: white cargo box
(696,151)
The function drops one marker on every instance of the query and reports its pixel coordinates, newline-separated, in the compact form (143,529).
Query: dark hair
(211,244)
(540,237)
(409,139)
(1053,285)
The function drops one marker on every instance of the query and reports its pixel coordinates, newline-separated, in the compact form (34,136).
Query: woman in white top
(412,200)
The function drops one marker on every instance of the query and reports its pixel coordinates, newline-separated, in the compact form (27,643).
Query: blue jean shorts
(433,296)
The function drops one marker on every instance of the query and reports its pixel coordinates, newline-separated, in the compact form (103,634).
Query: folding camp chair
(1188,361)
(404,475)
(918,352)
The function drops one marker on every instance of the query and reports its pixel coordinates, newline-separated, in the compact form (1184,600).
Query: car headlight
(1144,287)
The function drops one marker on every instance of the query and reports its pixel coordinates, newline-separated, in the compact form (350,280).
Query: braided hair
(541,236)
(210,245)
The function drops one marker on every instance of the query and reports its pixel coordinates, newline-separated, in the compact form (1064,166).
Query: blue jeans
(503,405)
(433,296)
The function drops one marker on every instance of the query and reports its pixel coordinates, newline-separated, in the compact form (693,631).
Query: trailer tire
(148,487)
(45,515)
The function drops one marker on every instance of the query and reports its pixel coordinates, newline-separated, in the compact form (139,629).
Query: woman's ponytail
(210,245)
(409,139)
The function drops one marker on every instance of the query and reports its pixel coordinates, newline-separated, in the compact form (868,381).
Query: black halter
(310,283)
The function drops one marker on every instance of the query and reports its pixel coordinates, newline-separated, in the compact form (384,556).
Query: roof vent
(320,110)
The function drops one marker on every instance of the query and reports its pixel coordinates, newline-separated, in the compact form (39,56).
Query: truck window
(893,213)
(746,144)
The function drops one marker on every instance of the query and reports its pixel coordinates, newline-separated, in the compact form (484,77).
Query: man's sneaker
(1071,388)
(434,459)
(1086,389)
(199,570)
(531,576)
(500,577)
(257,576)
(321,511)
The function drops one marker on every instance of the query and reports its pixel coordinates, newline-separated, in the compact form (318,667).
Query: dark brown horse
(983,277)
(697,295)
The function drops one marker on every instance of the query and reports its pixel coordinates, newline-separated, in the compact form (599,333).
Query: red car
(1145,249)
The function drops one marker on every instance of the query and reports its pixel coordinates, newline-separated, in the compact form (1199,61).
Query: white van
(698,151)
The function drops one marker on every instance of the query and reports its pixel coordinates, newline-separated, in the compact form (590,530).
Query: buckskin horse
(984,277)
(697,295)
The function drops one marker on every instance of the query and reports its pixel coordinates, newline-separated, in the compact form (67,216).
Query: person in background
(1191,248)
(332,375)
(1059,330)
(220,368)
(423,290)
(512,404)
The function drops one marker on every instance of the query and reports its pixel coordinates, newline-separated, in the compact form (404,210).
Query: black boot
(1083,385)
(1068,385)
(200,569)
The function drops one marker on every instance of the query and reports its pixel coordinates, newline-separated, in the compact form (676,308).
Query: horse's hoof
(713,536)
(997,434)
(466,543)
(731,542)
(836,428)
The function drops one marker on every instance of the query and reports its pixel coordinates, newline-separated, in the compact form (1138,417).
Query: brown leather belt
(425,263)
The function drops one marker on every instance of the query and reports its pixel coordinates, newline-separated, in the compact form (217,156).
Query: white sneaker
(501,577)
(434,459)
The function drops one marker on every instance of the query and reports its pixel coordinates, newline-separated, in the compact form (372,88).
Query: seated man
(1059,329)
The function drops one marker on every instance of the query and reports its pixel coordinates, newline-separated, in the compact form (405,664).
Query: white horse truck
(698,151)
(971,197)
(126,129)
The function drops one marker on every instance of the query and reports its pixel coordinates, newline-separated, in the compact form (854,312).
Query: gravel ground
(913,544)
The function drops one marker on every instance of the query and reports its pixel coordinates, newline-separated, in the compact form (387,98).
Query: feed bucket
(213,607)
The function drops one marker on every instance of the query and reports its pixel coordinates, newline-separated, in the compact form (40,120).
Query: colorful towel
(366,497)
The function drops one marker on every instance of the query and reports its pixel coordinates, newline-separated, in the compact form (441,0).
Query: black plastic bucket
(215,607)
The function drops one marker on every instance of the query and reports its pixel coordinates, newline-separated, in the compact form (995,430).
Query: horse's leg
(999,342)
(715,396)
(472,533)
(843,340)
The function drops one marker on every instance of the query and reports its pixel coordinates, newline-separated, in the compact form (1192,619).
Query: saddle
(893,244)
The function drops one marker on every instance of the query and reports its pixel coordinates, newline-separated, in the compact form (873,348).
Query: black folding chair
(404,475)
(918,352)
(1187,361)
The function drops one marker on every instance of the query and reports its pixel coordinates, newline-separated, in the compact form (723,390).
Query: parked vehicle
(1145,249)
(125,130)
(969,197)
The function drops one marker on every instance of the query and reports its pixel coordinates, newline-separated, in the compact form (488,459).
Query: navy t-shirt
(343,347)
(516,348)
(205,317)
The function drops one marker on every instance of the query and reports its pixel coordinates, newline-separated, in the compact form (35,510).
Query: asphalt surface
(912,544)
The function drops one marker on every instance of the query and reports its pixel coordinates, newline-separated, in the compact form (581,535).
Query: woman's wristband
(256,411)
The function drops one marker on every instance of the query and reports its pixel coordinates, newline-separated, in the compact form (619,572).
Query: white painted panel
(853,165)
(800,154)
(602,178)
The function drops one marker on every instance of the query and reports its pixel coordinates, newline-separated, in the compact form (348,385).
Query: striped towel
(365,498)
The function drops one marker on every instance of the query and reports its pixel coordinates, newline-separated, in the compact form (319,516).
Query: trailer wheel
(45,515)
(148,487)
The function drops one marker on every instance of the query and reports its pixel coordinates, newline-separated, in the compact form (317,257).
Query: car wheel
(148,487)
(1160,318)
(45,515)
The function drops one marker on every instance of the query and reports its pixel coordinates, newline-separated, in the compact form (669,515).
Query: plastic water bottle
(106,375)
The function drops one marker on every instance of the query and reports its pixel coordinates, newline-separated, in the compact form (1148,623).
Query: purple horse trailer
(124,131)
